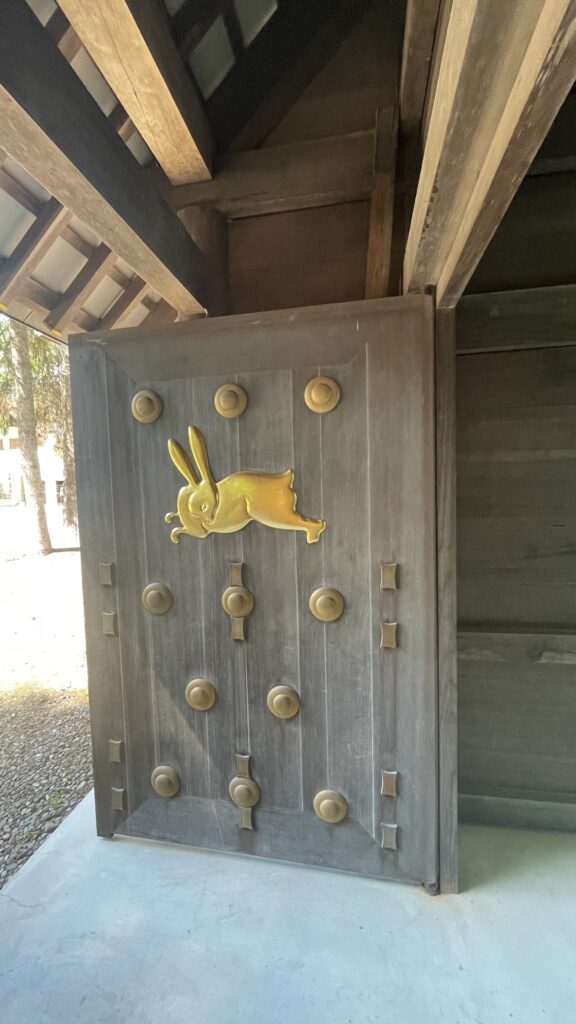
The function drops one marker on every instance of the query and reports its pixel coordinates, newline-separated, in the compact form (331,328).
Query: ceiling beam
(130,42)
(275,179)
(124,304)
(379,256)
(308,61)
(481,141)
(87,279)
(277,46)
(51,125)
(39,237)
(418,46)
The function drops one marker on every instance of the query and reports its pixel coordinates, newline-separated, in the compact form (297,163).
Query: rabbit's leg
(175,534)
(170,517)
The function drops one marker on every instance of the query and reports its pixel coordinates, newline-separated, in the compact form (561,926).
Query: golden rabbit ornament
(205,506)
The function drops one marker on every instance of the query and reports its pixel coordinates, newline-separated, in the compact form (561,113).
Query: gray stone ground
(45,760)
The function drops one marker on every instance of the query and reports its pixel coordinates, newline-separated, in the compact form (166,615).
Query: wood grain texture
(96,515)
(300,258)
(516,473)
(417,50)
(88,278)
(320,172)
(32,247)
(381,352)
(379,258)
(480,143)
(55,130)
(130,42)
(447,607)
(524,318)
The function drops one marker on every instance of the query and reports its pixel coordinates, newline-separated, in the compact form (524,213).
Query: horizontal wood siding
(302,258)
(516,467)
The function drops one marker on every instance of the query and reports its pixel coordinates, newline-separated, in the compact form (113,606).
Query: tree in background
(35,389)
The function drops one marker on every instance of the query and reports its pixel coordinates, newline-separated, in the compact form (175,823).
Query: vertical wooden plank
(309,561)
(379,257)
(447,646)
(265,443)
(175,638)
(96,516)
(225,659)
(346,568)
(129,498)
(402,469)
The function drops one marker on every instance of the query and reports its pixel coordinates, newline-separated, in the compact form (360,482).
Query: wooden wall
(300,258)
(516,437)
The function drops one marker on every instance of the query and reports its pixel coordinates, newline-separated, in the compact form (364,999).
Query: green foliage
(51,388)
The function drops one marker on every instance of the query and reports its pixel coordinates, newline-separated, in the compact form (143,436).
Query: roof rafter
(481,142)
(51,125)
(130,42)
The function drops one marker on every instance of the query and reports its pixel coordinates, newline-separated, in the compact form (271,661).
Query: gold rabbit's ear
(198,449)
(181,461)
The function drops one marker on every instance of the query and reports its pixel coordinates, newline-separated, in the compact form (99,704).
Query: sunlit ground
(41,615)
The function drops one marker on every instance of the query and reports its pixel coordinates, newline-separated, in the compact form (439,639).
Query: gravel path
(45,767)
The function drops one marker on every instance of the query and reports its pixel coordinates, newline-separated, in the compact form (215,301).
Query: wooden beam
(86,280)
(162,314)
(481,141)
(16,191)
(130,42)
(51,125)
(291,177)
(32,247)
(63,35)
(124,304)
(246,86)
(379,258)
(307,62)
(419,33)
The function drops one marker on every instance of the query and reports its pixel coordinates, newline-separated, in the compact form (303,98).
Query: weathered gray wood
(517,693)
(96,515)
(517,813)
(320,172)
(265,443)
(361,467)
(130,576)
(526,318)
(516,526)
(400,377)
(55,130)
(447,611)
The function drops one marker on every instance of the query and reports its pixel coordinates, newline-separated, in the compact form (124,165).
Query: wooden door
(363,685)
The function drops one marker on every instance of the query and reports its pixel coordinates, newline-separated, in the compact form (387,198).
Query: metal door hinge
(388,575)
(109,624)
(389,784)
(107,574)
(388,639)
(118,798)
(116,751)
(389,837)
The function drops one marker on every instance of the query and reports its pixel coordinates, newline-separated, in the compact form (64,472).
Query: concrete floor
(96,931)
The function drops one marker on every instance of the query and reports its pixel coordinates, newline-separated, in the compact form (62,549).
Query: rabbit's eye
(203,507)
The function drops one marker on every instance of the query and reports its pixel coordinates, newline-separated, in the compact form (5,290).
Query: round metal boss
(322,394)
(157,598)
(283,702)
(326,604)
(330,806)
(165,780)
(237,602)
(230,400)
(244,792)
(146,406)
(200,694)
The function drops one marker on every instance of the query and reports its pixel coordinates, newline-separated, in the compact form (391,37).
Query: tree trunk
(67,445)
(26,416)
